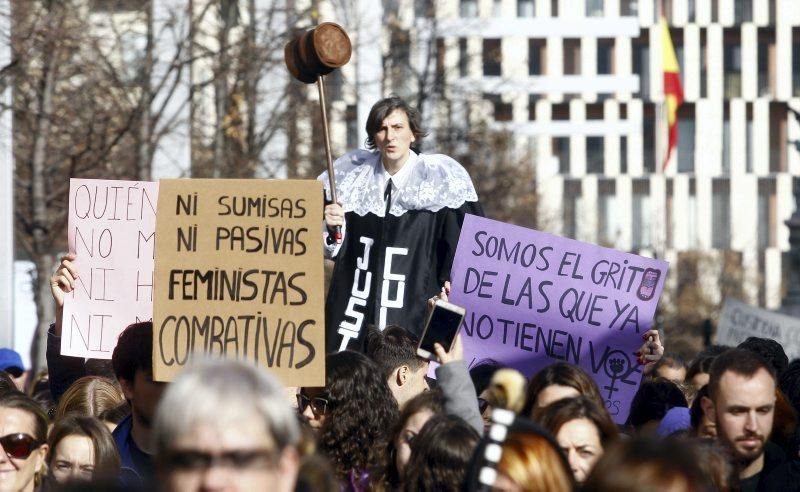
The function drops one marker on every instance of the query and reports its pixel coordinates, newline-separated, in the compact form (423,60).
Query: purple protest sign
(533,299)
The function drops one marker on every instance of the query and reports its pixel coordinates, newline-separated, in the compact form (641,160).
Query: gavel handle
(337,234)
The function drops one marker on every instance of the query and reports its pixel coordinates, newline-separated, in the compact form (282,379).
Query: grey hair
(221,392)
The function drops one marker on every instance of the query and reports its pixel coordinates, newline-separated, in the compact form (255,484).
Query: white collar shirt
(400,177)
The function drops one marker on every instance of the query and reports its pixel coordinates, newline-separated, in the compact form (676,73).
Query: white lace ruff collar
(436,181)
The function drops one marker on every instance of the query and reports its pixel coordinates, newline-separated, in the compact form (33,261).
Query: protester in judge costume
(401,214)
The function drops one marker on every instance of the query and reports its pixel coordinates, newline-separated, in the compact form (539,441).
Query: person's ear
(127,388)
(288,466)
(708,409)
(41,456)
(402,375)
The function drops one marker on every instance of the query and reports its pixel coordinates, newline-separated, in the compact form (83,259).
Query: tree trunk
(221,93)
(42,255)
(145,138)
(45,310)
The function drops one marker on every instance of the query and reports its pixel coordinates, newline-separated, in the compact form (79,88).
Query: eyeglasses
(19,446)
(319,405)
(191,460)
(482,405)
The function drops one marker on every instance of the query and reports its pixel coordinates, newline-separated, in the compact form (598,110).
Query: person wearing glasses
(354,415)
(23,443)
(225,425)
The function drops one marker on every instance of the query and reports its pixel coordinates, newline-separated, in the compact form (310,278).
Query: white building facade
(579,84)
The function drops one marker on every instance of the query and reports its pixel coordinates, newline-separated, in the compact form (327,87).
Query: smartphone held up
(442,326)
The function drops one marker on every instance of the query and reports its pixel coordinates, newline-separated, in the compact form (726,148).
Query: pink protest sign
(533,299)
(112,228)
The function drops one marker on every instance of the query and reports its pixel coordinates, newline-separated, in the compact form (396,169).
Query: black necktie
(387,196)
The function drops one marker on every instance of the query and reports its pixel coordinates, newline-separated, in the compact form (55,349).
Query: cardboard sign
(112,233)
(533,299)
(239,275)
(739,321)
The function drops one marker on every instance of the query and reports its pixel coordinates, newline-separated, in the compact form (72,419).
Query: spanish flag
(673,92)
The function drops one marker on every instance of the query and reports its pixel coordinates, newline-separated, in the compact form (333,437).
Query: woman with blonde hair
(90,396)
(530,461)
(517,454)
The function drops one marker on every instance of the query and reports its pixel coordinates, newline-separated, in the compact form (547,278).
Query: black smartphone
(442,327)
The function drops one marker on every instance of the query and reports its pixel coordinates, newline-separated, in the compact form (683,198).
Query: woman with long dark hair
(440,455)
(357,413)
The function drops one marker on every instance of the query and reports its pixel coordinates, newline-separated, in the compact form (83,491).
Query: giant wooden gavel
(310,56)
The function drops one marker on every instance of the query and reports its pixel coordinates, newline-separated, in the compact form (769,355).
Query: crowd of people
(726,421)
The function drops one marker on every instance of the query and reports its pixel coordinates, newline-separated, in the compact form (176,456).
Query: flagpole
(661,113)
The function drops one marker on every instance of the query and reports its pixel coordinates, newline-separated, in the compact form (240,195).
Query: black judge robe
(390,264)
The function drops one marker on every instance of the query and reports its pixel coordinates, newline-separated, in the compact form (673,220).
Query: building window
(423,8)
(497,8)
(351,125)
(676,33)
(594,111)
(742,11)
(691,216)
(594,8)
(572,206)
(649,137)
(606,212)
(642,215)
(796,61)
(441,51)
(553,8)
(537,49)
(605,56)
(666,10)
(492,57)
(532,99)
(766,61)
(469,8)
(561,151)
(572,56)
(750,150)
(118,6)
(767,213)
(502,111)
(714,11)
(732,63)
(623,154)
(526,8)
(560,112)
(726,139)
(778,137)
(463,57)
(641,63)
(669,213)
(629,8)
(595,155)
(691,10)
(721,213)
(703,63)
(686,138)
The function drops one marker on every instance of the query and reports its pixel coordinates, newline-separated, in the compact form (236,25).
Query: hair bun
(507,390)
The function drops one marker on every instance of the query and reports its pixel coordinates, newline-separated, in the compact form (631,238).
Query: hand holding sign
(61,283)
(651,350)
